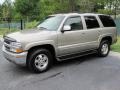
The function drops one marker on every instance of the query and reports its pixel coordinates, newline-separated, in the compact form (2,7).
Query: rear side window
(91,22)
(107,21)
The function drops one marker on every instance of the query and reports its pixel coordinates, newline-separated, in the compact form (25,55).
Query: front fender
(33,44)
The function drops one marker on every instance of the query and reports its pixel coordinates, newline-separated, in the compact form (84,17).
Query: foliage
(26,8)
(52,6)
(31,24)
(0,11)
(31,10)
(6,10)
(105,11)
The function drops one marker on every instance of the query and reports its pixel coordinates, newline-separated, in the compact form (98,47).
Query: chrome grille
(7,41)
(7,48)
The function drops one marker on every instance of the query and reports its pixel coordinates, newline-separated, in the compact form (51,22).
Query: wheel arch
(109,38)
(45,46)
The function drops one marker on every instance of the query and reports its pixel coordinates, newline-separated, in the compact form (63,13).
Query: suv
(60,37)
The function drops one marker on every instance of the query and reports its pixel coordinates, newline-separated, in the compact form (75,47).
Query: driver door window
(75,23)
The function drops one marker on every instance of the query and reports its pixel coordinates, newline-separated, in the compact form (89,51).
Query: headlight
(12,45)
(16,44)
(16,47)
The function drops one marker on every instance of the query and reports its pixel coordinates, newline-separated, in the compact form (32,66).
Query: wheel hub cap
(104,49)
(41,61)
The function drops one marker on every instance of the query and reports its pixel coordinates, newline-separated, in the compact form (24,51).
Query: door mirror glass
(67,28)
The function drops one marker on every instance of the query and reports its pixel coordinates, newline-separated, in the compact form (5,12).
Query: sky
(1,1)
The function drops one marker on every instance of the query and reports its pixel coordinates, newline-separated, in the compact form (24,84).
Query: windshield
(52,23)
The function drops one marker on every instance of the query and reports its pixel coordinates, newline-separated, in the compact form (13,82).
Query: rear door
(92,32)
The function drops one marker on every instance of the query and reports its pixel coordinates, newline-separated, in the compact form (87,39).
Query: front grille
(7,48)
(7,41)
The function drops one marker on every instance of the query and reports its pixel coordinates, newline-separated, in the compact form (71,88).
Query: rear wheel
(40,60)
(104,48)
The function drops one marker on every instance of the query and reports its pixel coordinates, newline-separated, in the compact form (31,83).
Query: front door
(70,41)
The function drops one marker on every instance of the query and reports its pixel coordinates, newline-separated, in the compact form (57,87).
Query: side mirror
(66,28)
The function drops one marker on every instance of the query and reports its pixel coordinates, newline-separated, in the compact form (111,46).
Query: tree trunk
(72,5)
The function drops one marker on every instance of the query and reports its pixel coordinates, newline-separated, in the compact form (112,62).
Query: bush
(105,11)
(30,25)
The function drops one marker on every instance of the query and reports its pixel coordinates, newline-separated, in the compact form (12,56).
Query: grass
(6,30)
(116,47)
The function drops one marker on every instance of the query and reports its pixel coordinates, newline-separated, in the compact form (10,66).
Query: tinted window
(75,23)
(107,21)
(91,22)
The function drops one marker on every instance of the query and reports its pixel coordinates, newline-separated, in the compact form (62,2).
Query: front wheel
(40,60)
(104,48)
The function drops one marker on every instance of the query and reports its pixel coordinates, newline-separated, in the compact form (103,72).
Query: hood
(27,35)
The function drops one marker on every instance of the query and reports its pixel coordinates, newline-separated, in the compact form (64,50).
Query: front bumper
(19,59)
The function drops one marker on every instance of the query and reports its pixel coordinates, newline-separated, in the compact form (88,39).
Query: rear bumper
(19,59)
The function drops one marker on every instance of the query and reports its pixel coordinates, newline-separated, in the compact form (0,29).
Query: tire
(104,48)
(40,60)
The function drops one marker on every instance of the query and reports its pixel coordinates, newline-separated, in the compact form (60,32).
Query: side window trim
(99,21)
(75,17)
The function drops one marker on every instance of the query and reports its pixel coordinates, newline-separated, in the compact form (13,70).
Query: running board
(76,55)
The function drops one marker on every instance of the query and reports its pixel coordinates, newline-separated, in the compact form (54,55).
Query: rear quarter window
(107,21)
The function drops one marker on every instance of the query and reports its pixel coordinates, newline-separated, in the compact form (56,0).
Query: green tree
(7,10)
(48,7)
(27,8)
(0,11)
